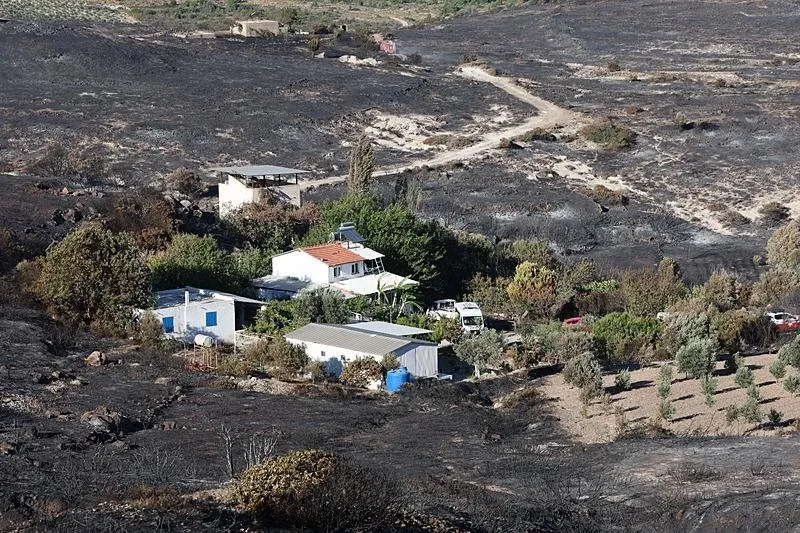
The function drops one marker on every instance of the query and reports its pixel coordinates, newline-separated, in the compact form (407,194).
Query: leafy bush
(774,417)
(490,293)
(389,362)
(751,411)
(149,329)
(609,135)
(792,384)
(753,392)
(778,368)
(10,251)
(665,376)
(93,277)
(276,354)
(195,261)
(623,380)
(725,290)
(739,329)
(277,317)
(743,377)
(774,284)
(482,350)
(270,226)
(618,332)
(446,329)
(538,134)
(648,291)
(708,385)
(533,290)
(326,306)
(789,353)
(783,247)
(732,413)
(666,410)
(318,491)
(697,357)
(583,371)
(361,372)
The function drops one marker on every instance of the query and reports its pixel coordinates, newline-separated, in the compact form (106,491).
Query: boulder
(96,358)
(7,448)
(103,420)
(164,381)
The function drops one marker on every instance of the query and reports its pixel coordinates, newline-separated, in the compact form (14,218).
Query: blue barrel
(396,378)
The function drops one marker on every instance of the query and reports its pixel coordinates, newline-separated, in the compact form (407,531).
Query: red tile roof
(333,254)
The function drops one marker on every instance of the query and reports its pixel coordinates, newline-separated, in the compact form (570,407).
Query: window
(354,268)
(337,271)
(169,324)
(322,354)
(211,319)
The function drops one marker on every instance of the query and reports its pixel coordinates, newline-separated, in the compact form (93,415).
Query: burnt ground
(460,460)
(148,103)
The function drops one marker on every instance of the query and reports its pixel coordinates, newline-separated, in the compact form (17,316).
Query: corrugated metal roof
(379,326)
(350,339)
(332,254)
(259,170)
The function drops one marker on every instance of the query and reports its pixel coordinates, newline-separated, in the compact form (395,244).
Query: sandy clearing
(692,416)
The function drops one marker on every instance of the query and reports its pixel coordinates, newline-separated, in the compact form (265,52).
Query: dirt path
(549,116)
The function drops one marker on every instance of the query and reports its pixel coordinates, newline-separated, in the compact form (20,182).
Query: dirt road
(549,116)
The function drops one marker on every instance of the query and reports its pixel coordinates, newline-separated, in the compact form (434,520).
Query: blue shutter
(169,324)
(211,319)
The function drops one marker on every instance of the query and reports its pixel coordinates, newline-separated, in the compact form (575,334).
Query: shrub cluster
(609,135)
(319,491)
(360,372)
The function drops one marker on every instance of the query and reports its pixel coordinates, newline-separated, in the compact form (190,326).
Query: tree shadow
(684,397)
(682,418)
(769,400)
(642,383)
(629,409)
(764,383)
(726,389)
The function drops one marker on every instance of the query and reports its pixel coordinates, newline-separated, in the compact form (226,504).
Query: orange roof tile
(332,254)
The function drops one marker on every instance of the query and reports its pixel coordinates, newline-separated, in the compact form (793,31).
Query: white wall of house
(195,320)
(420,360)
(345,271)
(298,264)
(233,194)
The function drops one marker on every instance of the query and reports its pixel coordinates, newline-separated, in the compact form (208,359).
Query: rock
(96,358)
(7,448)
(63,192)
(30,432)
(57,218)
(186,203)
(164,381)
(39,378)
(77,382)
(168,425)
(72,215)
(103,420)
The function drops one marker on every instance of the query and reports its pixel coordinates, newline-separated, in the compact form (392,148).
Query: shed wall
(224,331)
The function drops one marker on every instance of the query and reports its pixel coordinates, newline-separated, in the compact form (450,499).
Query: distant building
(337,345)
(257,28)
(252,183)
(189,311)
(344,264)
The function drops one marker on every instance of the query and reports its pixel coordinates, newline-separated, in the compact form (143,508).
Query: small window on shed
(169,324)
(354,268)
(211,319)
(337,271)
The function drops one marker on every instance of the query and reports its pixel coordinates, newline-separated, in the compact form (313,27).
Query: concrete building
(253,183)
(189,311)
(337,345)
(257,28)
(344,264)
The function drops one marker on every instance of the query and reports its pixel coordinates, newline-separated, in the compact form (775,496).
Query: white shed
(336,345)
(189,311)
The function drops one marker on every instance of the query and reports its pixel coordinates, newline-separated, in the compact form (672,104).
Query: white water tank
(203,340)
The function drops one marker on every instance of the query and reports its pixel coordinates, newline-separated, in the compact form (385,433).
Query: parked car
(784,321)
(468,314)
(574,322)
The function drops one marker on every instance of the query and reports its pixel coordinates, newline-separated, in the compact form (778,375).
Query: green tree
(482,350)
(533,289)
(648,291)
(324,306)
(697,357)
(783,247)
(93,277)
(362,165)
(277,317)
(583,371)
(623,333)
(195,261)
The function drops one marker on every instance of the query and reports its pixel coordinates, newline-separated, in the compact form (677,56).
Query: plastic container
(203,340)
(396,379)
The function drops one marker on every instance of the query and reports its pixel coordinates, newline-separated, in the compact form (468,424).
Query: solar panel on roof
(347,232)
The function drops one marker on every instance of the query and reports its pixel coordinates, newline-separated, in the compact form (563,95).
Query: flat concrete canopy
(253,171)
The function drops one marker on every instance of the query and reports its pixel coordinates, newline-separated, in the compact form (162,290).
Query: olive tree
(482,350)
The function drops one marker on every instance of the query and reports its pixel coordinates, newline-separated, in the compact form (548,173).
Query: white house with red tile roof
(344,265)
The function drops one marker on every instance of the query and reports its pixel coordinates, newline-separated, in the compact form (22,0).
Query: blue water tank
(396,378)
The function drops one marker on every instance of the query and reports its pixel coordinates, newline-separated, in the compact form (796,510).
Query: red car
(574,322)
(785,321)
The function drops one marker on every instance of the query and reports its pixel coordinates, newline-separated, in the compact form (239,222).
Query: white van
(468,314)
